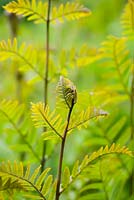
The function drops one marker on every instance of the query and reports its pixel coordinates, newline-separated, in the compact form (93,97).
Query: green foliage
(97,175)
(38,11)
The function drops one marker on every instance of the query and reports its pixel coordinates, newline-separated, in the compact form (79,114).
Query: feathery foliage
(42,117)
(26,180)
(37,11)
(26,55)
(117,56)
(127,20)
(79,168)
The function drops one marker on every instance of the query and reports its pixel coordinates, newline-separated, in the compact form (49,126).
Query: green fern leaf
(43,118)
(47,185)
(117,57)
(37,11)
(14,113)
(34,11)
(66,92)
(66,177)
(52,191)
(127,20)
(69,11)
(26,55)
(15,179)
(84,117)
(89,160)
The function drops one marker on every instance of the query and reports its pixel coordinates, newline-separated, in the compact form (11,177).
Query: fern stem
(46,77)
(62,153)
(132,127)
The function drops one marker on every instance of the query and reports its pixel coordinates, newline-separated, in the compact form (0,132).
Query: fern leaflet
(28,182)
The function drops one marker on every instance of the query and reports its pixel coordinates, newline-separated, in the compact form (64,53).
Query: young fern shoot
(68,94)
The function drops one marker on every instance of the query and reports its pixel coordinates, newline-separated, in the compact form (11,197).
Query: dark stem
(62,153)
(46,77)
(132,128)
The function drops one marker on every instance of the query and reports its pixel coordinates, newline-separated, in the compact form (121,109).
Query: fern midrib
(26,180)
(21,134)
(50,125)
(69,13)
(117,67)
(24,59)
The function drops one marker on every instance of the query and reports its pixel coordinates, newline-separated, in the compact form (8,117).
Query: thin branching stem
(132,126)
(46,76)
(62,153)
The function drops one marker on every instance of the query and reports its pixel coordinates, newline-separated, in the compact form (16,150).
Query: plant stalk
(46,77)
(62,153)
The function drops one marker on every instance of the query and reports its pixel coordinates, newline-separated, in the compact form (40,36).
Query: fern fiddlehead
(68,93)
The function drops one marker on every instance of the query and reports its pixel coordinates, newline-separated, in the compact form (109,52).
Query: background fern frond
(26,180)
(127,20)
(14,114)
(117,57)
(87,162)
(31,9)
(42,117)
(69,11)
(37,11)
(26,55)
(66,92)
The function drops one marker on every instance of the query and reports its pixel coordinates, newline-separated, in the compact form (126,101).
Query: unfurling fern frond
(127,20)
(42,117)
(27,56)
(41,184)
(84,117)
(37,11)
(66,92)
(88,161)
(117,57)
(14,113)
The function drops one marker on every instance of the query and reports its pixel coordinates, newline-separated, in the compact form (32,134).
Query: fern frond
(78,169)
(127,20)
(42,117)
(34,11)
(37,11)
(14,113)
(9,184)
(78,58)
(25,54)
(117,57)
(69,11)
(29,182)
(84,117)
(66,92)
